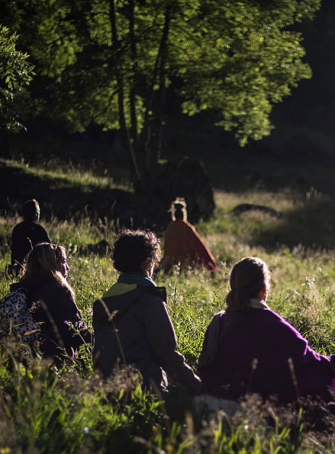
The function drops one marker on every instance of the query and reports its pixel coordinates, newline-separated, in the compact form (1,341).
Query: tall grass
(72,410)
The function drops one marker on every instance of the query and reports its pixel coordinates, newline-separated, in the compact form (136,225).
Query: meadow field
(73,411)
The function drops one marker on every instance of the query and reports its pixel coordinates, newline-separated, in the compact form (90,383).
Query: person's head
(250,278)
(47,259)
(178,209)
(136,251)
(31,210)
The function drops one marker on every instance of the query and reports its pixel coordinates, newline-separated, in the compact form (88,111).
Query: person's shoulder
(154,293)
(189,227)
(220,315)
(53,286)
(29,283)
(150,296)
(40,227)
(278,321)
(18,227)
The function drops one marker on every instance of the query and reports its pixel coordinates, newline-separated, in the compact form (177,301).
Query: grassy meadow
(73,411)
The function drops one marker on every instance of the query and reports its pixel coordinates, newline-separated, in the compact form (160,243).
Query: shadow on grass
(71,200)
(311,226)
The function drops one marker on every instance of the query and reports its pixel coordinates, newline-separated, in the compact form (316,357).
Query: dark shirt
(25,236)
(53,305)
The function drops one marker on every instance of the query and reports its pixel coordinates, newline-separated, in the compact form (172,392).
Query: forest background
(290,170)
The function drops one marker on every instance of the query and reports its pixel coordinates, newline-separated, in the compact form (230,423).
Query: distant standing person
(28,233)
(182,244)
(131,322)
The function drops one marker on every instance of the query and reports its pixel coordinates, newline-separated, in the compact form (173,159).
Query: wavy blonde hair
(45,259)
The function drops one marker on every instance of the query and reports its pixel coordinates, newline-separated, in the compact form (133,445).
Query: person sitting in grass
(27,234)
(182,244)
(131,322)
(51,301)
(250,349)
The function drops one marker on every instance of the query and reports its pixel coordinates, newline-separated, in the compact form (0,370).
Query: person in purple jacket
(251,349)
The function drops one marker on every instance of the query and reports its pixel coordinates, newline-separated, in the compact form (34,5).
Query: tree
(15,75)
(113,61)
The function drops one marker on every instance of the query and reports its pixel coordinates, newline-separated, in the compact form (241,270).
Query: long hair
(247,279)
(45,259)
(178,209)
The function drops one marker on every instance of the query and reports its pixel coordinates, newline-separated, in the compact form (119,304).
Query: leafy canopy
(237,57)
(15,75)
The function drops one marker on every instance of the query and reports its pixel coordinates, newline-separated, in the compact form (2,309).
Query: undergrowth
(72,410)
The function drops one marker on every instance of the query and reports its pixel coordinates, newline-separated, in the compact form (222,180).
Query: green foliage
(237,57)
(15,75)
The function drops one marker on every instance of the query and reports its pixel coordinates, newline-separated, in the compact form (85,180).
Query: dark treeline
(304,123)
(66,117)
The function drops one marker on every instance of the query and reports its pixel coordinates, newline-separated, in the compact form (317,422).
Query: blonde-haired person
(250,348)
(51,300)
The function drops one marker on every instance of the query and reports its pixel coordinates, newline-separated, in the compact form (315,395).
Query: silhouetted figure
(182,244)
(28,233)
(51,300)
(131,322)
(250,349)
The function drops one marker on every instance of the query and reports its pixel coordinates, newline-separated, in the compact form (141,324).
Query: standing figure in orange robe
(182,244)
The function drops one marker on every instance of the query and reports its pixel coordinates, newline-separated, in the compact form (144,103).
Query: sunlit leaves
(15,74)
(237,57)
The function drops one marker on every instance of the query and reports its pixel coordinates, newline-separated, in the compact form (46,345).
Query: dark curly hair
(133,247)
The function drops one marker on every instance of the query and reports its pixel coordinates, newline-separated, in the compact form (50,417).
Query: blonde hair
(247,279)
(178,209)
(45,259)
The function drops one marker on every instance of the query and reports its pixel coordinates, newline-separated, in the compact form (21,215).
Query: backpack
(14,318)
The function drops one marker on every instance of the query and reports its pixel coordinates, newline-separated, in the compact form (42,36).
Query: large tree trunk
(133,113)
(155,149)
(151,133)
(121,101)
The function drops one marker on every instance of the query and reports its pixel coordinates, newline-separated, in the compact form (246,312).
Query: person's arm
(211,344)
(43,234)
(64,312)
(163,342)
(312,370)
(19,246)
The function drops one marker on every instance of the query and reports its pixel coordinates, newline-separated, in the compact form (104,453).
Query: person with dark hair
(28,233)
(51,301)
(131,322)
(250,348)
(182,243)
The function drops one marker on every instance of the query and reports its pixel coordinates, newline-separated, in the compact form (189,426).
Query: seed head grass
(73,410)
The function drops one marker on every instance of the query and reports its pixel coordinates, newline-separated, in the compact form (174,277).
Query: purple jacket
(258,351)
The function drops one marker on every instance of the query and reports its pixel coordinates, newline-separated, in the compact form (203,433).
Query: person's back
(51,301)
(131,322)
(28,233)
(182,243)
(138,311)
(250,348)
